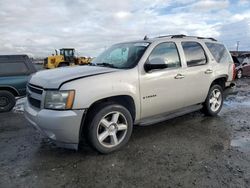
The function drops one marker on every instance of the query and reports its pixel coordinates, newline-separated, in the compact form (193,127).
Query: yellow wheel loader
(65,57)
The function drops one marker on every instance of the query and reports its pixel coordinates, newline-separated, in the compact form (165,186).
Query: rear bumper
(62,127)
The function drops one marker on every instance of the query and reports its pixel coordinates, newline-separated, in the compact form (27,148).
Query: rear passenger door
(197,72)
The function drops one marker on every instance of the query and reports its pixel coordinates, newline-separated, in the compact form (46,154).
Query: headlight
(61,100)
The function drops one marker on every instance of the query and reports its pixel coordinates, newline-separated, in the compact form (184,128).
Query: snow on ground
(19,107)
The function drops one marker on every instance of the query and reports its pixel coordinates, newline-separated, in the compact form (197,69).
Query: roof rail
(178,36)
(207,38)
(182,36)
(164,36)
(172,36)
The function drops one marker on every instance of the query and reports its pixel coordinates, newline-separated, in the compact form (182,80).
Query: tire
(239,74)
(214,101)
(109,127)
(7,101)
(64,64)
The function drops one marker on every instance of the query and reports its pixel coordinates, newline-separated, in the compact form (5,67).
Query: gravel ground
(189,151)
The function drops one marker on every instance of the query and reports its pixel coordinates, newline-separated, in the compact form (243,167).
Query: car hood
(54,78)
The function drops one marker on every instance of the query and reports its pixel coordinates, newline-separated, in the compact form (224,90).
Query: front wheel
(7,101)
(214,101)
(110,128)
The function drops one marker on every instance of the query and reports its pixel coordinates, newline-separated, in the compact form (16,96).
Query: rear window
(219,52)
(13,68)
(194,53)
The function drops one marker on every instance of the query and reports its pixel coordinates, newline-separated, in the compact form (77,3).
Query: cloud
(240,17)
(122,14)
(210,5)
(236,31)
(38,27)
(243,2)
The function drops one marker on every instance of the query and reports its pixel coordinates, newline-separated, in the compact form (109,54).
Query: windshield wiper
(106,65)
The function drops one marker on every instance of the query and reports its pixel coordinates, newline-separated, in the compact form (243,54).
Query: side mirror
(156,63)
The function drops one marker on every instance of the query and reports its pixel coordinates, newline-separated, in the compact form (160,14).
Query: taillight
(234,72)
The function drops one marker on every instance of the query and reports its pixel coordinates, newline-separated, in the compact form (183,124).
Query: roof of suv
(161,38)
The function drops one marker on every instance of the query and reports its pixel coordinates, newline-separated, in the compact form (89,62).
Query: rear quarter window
(13,68)
(219,52)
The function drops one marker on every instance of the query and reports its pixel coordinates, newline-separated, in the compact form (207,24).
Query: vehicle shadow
(184,127)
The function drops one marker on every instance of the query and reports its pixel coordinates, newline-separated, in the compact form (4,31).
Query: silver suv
(140,82)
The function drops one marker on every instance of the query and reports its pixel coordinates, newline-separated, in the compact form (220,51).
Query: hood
(54,78)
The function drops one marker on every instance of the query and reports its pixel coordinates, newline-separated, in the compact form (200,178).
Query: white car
(140,82)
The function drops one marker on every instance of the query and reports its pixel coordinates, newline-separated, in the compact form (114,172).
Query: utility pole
(237,46)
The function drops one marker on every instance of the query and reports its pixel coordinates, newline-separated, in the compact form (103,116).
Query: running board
(171,115)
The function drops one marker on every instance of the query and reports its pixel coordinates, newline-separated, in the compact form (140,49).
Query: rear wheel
(109,128)
(214,101)
(239,74)
(7,101)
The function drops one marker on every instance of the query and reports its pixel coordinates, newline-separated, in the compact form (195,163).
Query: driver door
(162,90)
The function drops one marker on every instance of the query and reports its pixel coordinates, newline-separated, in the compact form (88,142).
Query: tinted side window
(219,52)
(165,53)
(194,53)
(16,68)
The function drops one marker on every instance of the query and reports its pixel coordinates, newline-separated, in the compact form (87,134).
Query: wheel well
(10,89)
(123,100)
(220,81)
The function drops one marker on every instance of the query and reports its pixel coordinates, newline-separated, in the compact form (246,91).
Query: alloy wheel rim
(112,129)
(215,100)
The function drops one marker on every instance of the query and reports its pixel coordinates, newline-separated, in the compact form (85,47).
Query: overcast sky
(37,27)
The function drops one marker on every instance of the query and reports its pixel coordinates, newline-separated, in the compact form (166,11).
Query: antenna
(145,38)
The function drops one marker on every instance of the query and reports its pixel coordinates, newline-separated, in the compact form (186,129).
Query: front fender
(94,88)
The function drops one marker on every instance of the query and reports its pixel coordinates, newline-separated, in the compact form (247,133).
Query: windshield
(122,56)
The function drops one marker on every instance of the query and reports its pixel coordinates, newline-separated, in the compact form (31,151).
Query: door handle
(208,71)
(179,76)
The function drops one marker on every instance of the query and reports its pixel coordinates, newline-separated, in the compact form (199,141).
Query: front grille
(34,95)
(35,89)
(34,102)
